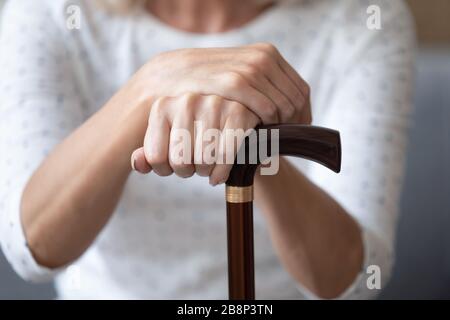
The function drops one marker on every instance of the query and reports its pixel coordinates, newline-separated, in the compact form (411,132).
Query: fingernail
(133,163)
(216,183)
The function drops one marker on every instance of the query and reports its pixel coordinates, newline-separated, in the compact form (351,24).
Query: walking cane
(318,144)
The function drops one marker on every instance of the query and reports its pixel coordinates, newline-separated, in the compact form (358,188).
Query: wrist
(127,119)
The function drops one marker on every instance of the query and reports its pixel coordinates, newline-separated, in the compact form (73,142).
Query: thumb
(139,162)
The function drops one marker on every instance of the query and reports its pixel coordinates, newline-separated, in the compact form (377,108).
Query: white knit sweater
(167,238)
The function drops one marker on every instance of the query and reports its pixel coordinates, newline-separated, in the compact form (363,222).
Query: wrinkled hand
(174,144)
(223,88)
(256,76)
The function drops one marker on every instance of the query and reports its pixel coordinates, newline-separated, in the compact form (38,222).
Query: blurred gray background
(422,270)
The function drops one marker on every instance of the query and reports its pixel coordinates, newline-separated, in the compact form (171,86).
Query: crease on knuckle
(289,111)
(234,80)
(268,47)
(203,170)
(182,169)
(188,98)
(270,112)
(214,101)
(251,70)
(262,58)
(158,105)
(156,159)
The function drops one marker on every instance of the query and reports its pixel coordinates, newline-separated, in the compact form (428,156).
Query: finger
(284,84)
(302,85)
(156,141)
(256,78)
(182,135)
(305,112)
(280,77)
(238,121)
(296,78)
(207,134)
(138,161)
(285,108)
(290,71)
(235,87)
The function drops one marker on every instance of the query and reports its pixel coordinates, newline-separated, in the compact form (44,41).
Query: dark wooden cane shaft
(318,144)
(241,278)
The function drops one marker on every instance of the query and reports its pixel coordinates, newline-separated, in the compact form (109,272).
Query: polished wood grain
(321,145)
(241,279)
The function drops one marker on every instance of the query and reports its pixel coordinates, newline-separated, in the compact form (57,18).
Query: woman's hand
(256,76)
(193,133)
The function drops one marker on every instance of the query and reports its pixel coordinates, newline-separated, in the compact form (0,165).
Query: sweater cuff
(15,245)
(358,289)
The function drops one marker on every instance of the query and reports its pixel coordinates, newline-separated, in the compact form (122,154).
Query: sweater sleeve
(39,106)
(369,102)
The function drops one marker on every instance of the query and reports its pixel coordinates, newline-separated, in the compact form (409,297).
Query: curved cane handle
(321,145)
(318,144)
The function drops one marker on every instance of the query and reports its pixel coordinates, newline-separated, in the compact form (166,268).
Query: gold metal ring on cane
(239,194)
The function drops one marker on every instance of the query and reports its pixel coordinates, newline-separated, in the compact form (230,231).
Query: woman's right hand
(194,133)
(257,76)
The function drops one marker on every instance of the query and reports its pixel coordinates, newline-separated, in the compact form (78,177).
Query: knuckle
(289,112)
(221,156)
(270,112)
(291,116)
(307,90)
(266,46)
(208,112)
(237,110)
(234,80)
(214,101)
(298,96)
(188,97)
(183,170)
(283,101)
(237,107)
(262,58)
(251,70)
(187,101)
(180,166)
(158,104)
(156,160)
(203,170)
(292,112)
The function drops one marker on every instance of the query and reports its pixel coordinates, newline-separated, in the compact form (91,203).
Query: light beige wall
(433,20)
